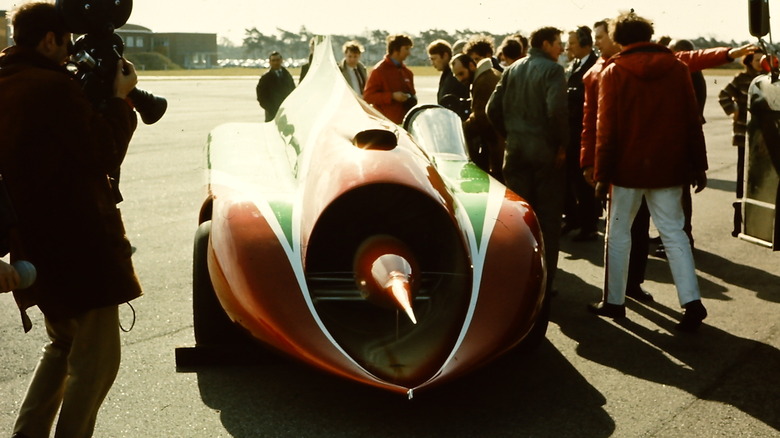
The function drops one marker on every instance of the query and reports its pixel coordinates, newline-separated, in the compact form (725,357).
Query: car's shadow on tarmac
(540,394)
(711,364)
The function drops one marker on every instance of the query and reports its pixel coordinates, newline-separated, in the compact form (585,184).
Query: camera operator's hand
(9,278)
(126,78)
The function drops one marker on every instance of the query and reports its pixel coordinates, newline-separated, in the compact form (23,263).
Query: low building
(138,39)
(188,50)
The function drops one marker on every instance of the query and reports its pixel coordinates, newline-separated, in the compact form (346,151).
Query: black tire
(212,326)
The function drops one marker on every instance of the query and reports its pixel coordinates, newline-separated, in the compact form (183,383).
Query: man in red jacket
(696,60)
(390,86)
(641,88)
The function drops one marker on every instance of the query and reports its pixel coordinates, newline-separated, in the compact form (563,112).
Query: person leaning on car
(55,154)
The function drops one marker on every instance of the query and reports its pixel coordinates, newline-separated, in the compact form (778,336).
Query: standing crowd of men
(567,139)
(597,126)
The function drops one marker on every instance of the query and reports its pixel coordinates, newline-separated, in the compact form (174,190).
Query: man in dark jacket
(305,67)
(512,49)
(353,70)
(581,209)
(55,154)
(642,88)
(485,144)
(274,86)
(529,105)
(479,47)
(452,94)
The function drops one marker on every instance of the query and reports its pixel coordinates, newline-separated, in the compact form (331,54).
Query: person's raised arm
(126,79)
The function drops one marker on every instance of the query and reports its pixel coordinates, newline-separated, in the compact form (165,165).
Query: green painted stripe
(471,186)
(283,210)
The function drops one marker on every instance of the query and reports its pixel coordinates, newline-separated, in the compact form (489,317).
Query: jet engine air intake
(376,139)
(380,234)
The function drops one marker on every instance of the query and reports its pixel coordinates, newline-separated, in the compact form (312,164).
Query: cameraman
(55,153)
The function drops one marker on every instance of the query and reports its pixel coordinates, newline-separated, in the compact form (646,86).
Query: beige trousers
(74,375)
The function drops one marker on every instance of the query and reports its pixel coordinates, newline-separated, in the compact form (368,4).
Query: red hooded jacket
(696,60)
(648,133)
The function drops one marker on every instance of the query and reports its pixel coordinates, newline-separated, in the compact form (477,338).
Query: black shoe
(639,294)
(693,316)
(585,236)
(660,252)
(656,239)
(604,308)
(567,228)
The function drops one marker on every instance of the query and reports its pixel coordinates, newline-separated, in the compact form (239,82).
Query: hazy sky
(722,19)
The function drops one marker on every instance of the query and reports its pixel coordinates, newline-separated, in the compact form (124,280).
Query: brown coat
(55,153)
(486,145)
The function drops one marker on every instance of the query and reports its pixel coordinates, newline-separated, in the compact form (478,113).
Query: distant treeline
(295,45)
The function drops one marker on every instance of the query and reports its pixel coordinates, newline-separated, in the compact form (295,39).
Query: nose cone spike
(402,292)
(384,272)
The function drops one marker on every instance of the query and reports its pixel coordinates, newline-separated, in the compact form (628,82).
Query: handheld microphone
(27,273)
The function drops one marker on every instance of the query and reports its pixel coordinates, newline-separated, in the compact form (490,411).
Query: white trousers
(665,207)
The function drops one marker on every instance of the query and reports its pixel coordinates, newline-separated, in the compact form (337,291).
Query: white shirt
(353,80)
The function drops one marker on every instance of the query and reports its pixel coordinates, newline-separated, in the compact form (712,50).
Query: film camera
(97,51)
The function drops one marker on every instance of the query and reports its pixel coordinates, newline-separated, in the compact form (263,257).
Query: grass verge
(242,71)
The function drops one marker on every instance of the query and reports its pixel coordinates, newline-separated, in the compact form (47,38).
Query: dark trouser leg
(589,208)
(640,243)
(542,187)
(570,207)
(496,158)
(687,206)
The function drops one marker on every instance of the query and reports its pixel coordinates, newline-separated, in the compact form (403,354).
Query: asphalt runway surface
(592,377)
